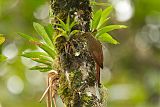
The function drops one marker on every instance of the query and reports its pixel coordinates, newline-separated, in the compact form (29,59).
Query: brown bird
(95,49)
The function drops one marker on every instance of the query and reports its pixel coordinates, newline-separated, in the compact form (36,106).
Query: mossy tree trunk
(76,65)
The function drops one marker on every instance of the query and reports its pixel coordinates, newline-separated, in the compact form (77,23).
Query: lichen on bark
(76,66)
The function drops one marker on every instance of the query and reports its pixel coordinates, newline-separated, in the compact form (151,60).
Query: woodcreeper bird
(95,49)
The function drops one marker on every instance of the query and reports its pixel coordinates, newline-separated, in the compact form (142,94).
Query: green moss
(87,100)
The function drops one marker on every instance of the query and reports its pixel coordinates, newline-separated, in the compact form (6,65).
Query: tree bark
(76,66)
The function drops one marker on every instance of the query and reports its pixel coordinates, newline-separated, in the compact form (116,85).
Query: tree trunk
(76,66)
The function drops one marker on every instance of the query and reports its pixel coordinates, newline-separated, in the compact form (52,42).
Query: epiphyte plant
(47,57)
(100,29)
(66,28)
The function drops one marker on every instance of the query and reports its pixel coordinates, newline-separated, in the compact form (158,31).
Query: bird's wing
(98,56)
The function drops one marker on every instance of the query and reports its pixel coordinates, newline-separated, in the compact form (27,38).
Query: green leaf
(99,4)
(104,15)
(60,29)
(63,33)
(28,37)
(73,24)
(40,57)
(2,58)
(42,60)
(62,24)
(50,31)
(48,50)
(96,19)
(109,28)
(42,68)
(2,39)
(59,35)
(74,32)
(103,23)
(107,38)
(68,24)
(41,31)
(34,54)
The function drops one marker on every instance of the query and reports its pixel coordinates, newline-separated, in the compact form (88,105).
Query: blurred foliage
(132,69)
(2,39)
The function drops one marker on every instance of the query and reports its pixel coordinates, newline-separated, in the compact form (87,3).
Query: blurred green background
(132,69)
